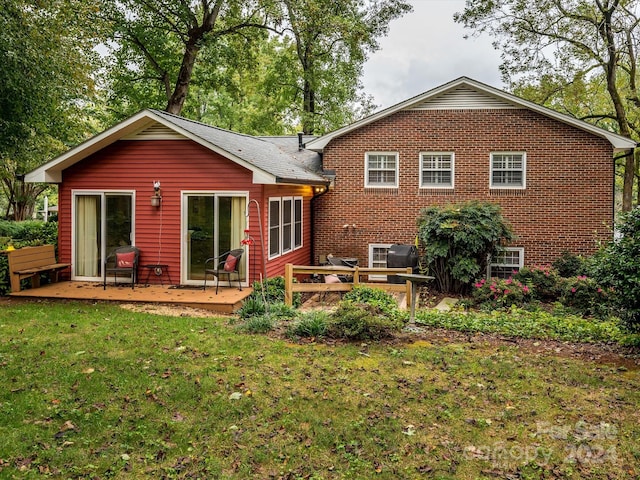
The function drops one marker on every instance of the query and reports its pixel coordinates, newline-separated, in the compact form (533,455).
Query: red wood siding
(180,165)
(567,203)
(300,256)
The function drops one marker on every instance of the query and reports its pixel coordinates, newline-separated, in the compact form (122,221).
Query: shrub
(498,293)
(252,307)
(24,234)
(362,321)
(281,310)
(458,239)
(372,296)
(617,266)
(271,290)
(585,296)
(570,265)
(312,324)
(544,282)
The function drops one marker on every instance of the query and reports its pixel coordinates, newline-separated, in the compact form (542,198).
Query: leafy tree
(617,266)
(332,40)
(158,43)
(568,50)
(458,240)
(47,63)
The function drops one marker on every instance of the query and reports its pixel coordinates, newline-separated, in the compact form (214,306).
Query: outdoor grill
(401,256)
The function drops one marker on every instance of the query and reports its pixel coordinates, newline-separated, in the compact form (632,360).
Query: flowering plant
(500,293)
(545,281)
(584,295)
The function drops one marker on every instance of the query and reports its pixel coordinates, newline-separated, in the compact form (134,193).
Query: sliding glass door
(213,223)
(102,221)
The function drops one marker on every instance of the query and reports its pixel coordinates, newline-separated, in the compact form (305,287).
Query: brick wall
(567,203)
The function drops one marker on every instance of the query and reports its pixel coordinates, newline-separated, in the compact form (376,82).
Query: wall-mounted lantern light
(156,198)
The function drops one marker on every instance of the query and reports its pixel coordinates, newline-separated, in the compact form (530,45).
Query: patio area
(228,300)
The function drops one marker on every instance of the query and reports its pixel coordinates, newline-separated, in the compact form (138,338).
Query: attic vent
(157,131)
(463,98)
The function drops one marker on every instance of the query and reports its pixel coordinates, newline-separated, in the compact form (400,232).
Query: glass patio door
(214,224)
(102,222)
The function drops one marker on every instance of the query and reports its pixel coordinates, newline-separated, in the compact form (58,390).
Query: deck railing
(360,277)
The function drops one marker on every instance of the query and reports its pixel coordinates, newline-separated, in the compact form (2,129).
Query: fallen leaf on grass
(88,370)
(235,396)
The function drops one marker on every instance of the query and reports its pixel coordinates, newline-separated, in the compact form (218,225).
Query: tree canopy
(48,63)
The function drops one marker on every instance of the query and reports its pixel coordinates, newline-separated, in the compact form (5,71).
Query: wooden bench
(30,262)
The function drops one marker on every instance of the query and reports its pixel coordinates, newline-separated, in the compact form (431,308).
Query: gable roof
(272,162)
(465,93)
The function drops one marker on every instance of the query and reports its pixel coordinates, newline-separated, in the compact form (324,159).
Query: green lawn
(96,391)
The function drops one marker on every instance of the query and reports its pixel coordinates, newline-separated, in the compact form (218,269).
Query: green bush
(617,265)
(362,321)
(312,324)
(585,296)
(570,265)
(252,307)
(24,234)
(458,239)
(373,296)
(499,293)
(271,290)
(544,281)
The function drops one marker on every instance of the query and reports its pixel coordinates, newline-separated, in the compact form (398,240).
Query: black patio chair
(122,261)
(226,263)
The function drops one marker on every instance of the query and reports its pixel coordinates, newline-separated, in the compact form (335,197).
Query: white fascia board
(618,142)
(51,172)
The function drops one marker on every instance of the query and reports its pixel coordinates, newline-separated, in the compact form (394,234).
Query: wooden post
(288,284)
(409,286)
(356,277)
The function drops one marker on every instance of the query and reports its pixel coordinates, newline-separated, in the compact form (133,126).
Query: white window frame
(103,205)
(294,226)
(372,247)
(369,184)
(507,186)
(451,169)
(495,262)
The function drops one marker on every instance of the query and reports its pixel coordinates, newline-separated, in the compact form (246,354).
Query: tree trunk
(179,95)
(309,110)
(607,34)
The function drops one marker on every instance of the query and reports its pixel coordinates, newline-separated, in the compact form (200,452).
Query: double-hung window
(378,258)
(285,225)
(508,170)
(381,170)
(506,262)
(436,170)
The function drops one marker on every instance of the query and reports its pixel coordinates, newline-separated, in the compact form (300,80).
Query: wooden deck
(228,300)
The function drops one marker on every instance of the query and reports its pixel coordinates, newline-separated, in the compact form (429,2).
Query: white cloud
(425,49)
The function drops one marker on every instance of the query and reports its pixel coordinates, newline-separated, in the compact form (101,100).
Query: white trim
(508,187)
(51,172)
(618,142)
(437,186)
(103,253)
(370,259)
(507,249)
(184,232)
(280,201)
(367,184)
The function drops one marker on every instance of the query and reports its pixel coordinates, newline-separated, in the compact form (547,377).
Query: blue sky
(425,49)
